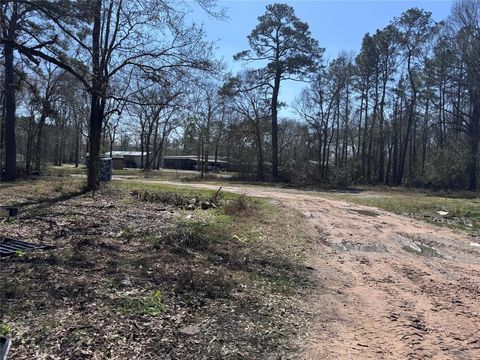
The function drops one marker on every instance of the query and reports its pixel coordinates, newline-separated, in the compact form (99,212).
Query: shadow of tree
(42,203)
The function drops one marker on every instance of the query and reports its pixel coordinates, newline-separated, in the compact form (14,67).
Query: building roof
(193,157)
(121,154)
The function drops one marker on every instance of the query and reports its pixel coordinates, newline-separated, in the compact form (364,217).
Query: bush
(241,205)
(449,167)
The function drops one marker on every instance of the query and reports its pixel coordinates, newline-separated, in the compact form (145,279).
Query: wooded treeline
(101,75)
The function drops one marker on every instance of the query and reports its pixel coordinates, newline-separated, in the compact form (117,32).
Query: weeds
(152,305)
(462,213)
(242,204)
(59,188)
(191,235)
(169,198)
(126,234)
(5,329)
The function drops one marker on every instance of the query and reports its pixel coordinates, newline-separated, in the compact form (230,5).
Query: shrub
(242,204)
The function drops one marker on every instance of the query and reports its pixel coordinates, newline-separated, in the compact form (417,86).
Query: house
(133,159)
(191,162)
(126,159)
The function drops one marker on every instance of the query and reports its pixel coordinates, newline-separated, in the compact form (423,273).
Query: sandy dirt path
(389,287)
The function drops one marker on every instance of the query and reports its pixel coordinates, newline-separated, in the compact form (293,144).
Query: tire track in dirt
(389,287)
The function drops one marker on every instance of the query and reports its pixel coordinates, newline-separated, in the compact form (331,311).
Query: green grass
(5,329)
(178,190)
(162,174)
(463,210)
(151,305)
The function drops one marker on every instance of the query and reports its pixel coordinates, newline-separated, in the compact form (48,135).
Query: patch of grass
(19,253)
(152,305)
(276,283)
(5,329)
(167,197)
(11,220)
(76,337)
(196,234)
(180,190)
(463,213)
(191,235)
(126,233)
(59,188)
(241,205)
(71,216)
(40,336)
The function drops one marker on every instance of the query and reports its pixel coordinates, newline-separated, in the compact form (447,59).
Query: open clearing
(388,286)
(305,276)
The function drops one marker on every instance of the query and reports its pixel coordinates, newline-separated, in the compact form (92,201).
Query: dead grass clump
(187,235)
(168,198)
(241,205)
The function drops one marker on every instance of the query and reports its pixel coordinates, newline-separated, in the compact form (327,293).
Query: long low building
(133,159)
(191,162)
(126,159)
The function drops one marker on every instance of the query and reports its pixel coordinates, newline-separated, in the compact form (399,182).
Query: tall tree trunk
(30,139)
(146,165)
(38,148)
(395,142)
(320,152)
(336,120)
(10,107)
(276,89)
(365,129)
(346,128)
(56,152)
(360,125)
(474,141)
(77,145)
(325,152)
(202,160)
(96,113)
(425,136)
(389,164)
(410,121)
(93,177)
(2,132)
(381,145)
(161,146)
(260,174)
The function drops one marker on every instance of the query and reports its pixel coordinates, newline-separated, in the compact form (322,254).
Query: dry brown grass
(94,294)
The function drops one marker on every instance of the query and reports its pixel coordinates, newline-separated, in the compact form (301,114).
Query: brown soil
(387,286)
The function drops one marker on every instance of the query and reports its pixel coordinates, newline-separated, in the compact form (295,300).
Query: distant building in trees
(126,159)
(133,159)
(192,162)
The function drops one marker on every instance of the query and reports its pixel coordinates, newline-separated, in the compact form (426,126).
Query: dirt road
(389,287)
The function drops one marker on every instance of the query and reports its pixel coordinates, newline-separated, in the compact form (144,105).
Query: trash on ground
(10,246)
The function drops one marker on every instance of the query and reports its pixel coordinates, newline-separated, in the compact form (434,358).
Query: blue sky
(337,25)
